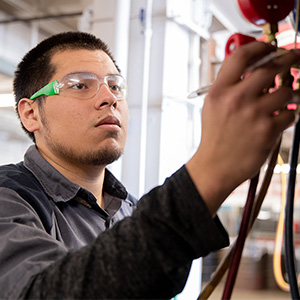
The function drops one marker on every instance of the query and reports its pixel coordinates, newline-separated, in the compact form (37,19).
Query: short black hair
(35,70)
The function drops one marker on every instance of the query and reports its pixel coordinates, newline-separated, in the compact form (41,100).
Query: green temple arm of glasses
(48,90)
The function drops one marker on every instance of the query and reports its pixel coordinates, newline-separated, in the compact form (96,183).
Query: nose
(105,97)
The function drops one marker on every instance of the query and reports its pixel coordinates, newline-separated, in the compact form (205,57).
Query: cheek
(125,114)
(64,118)
(125,127)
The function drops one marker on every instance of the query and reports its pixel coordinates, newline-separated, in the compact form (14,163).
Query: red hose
(237,253)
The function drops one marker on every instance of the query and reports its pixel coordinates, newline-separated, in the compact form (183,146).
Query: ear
(29,114)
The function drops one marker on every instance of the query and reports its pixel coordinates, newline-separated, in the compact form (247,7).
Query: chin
(103,156)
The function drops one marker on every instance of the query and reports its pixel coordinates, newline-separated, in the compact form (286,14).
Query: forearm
(213,185)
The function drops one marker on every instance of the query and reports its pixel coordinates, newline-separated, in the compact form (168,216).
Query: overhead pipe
(37,18)
(122,26)
(146,20)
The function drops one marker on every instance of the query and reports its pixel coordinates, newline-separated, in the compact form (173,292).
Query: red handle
(235,41)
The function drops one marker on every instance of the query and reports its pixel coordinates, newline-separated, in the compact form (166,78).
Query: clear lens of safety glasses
(87,85)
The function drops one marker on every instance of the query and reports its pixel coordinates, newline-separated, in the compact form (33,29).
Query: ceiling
(56,15)
(57,10)
(52,17)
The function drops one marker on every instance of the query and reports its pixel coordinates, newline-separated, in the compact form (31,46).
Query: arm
(146,256)
(239,127)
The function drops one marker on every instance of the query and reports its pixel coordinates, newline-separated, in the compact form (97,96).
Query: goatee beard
(99,158)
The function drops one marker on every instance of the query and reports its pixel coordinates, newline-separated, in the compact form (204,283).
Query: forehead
(82,60)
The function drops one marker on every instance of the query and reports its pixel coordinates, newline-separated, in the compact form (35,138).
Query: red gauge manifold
(260,12)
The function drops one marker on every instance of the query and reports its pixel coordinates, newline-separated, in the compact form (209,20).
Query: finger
(235,65)
(284,62)
(276,101)
(284,119)
(263,78)
(295,99)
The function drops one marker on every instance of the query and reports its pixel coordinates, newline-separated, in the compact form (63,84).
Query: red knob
(237,40)
(260,12)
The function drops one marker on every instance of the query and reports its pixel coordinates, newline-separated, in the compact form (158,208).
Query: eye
(115,87)
(78,86)
(81,84)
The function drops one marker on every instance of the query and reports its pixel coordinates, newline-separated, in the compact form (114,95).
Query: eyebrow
(86,72)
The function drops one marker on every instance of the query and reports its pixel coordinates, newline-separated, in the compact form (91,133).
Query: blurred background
(165,49)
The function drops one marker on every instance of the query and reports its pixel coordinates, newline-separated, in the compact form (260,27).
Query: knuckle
(246,51)
(268,129)
(265,129)
(240,54)
(236,100)
(214,92)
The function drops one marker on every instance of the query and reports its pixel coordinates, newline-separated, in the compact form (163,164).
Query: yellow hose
(277,269)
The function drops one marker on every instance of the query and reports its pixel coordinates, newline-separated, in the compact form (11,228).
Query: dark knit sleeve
(146,256)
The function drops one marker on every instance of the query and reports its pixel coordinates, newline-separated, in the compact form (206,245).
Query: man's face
(83,131)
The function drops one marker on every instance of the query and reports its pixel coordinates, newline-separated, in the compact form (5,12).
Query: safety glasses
(83,86)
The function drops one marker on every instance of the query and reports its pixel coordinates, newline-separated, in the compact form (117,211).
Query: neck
(90,178)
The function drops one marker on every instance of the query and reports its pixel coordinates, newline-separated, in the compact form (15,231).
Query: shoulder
(17,178)
(15,174)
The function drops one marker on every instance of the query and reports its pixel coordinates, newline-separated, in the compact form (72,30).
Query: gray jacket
(54,242)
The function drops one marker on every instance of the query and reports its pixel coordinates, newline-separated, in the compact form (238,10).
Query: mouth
(109,120)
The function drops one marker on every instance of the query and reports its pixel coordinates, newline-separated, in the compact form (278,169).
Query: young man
(55,206)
